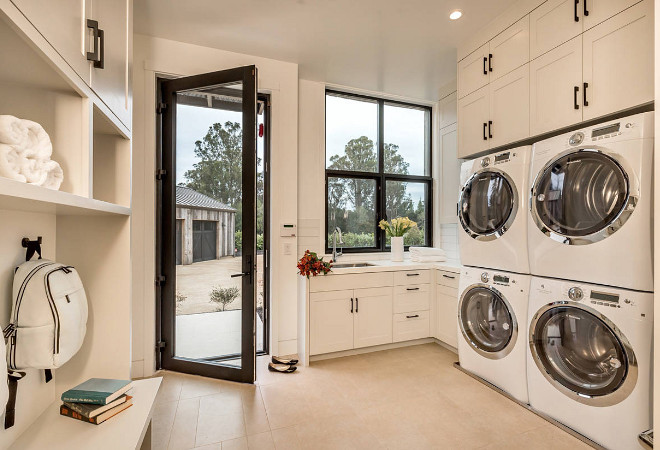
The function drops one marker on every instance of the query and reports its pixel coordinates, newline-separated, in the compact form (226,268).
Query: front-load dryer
(492,319)
(589,360)
(491,211)
(590,208)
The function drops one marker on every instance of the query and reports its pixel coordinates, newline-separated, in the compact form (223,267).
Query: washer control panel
(575,293)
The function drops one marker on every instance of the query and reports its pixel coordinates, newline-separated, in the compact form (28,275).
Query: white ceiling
(400,47)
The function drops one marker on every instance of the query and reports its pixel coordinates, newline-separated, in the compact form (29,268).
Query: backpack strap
(10,412)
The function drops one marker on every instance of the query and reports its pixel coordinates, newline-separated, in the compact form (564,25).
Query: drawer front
(409,326)
(411,298)
(337,282)
(407,277)
(449,279)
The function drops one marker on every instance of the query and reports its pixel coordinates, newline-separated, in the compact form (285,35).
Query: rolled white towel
(10,163)
(427,251)
(54,175)
(13,131)
(38,143)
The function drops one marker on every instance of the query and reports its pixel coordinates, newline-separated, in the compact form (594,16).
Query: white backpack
(48,321)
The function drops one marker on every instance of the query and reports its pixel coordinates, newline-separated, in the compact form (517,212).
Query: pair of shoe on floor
(282,365)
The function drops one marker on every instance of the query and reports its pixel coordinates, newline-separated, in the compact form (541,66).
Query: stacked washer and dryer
(556,304)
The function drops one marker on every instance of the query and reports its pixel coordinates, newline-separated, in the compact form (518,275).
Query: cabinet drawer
(409,326)
(449,279)
(336,282)
(411,277)
(411,298)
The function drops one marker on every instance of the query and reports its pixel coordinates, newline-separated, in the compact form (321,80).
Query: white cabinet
(447,110)
(411,298)
(509,49)
(618,62)
(552,24)
(473,72)
(373,317)
(473,113)
(331,321)
(509,108)
(112,82)
(409,326)
(556,88)
(597,11)
(64,25)
(446,310)
(450,177)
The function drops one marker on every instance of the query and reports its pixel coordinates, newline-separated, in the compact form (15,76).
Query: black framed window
(378,166)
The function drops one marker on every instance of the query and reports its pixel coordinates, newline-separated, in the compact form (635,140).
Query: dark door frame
(166,231)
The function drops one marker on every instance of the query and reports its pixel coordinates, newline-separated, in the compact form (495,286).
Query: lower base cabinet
(372,321)
(447,328)
(410,326)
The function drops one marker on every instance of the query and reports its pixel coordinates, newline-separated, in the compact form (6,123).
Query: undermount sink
(347,265)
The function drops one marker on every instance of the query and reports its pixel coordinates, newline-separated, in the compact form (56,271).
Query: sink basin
(350,265)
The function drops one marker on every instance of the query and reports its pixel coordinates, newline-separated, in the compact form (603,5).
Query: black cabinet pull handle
(490,134)
(412,274)
(449,276)
(490,61)
(485,72)
(357,304)
(575,11)
(584,94)
(351,305)
(575,93)
(485,137)
(412,317)
(412,289)
(98,55)
(586,11)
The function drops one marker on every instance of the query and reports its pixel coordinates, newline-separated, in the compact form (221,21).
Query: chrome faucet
(335,255)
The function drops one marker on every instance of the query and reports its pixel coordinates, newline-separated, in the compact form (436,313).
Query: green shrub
(238,240)
(224,296)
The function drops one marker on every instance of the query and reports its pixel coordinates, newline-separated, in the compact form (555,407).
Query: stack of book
(96,400)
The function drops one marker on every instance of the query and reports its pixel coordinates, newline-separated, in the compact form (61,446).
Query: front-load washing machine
(589,359)
(491,210)
(590,214)
(492,319)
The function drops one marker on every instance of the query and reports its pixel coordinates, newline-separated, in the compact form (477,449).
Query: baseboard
(375,348)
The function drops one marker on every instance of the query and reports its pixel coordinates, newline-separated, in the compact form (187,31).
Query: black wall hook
(32,247)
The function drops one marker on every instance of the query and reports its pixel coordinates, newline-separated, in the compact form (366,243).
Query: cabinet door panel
(552,24)
(64,25)
(331,322)
(448,110)
(450,179)
(473,111)
(509,107)
(447,319)
(473,72)
(601,10)
(112,83)
(510,49)
(372,318)
(411,298)
(410,326)
(553,78)
(618,61)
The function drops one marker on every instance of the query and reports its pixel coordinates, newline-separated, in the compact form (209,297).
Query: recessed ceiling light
(455,15)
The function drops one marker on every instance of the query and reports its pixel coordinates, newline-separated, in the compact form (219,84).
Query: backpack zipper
(53,306)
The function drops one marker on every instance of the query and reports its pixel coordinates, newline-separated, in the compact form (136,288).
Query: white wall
(656,228)
(153,56)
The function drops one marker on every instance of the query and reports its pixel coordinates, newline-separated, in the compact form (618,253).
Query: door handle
(490,134)
(485,71)
(357,304)
(351,305)
(576,89)
(575,11)
(586,11)
(412,317)
(449,276)
(412,289)
(247,273)
(584,94)
(485,137)
(98,55)
(490,61)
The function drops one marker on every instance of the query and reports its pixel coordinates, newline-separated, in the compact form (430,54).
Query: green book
(97,391)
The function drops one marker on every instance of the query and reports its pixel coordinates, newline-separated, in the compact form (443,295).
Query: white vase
(397,248)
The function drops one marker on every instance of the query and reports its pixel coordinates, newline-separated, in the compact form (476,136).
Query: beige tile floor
(407,398)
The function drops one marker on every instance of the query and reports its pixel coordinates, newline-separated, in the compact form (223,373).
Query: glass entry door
(208,221)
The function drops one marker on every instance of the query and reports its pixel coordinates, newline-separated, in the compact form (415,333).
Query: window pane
(407,199)
(352,208)
(351,134)
(406,140)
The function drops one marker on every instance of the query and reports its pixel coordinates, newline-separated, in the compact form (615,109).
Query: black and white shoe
(282,368)
(278,360)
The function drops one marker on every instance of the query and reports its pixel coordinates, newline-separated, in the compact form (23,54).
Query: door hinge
(160,107)
(160,280)
(160,174)
(160,345)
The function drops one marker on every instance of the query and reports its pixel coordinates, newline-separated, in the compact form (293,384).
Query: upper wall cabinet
(64,24)
(618,62)
(473,72)
(597,11)
(473,114)
(447,110)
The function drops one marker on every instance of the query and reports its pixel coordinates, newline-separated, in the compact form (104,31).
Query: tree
(224,296)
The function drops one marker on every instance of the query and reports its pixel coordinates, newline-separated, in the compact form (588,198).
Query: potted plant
(311,264)
(396,229)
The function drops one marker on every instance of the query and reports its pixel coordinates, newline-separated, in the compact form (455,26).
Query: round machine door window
(580,194)
(487,322)
(579,351)
(487,204)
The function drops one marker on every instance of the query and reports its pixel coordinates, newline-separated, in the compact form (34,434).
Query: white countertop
(388,266)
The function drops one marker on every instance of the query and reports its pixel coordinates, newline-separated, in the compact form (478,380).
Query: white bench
(130,429)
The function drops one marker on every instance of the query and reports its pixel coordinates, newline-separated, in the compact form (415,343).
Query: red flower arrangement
(311,264)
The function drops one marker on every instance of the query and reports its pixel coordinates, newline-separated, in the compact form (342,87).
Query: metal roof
(190,198)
